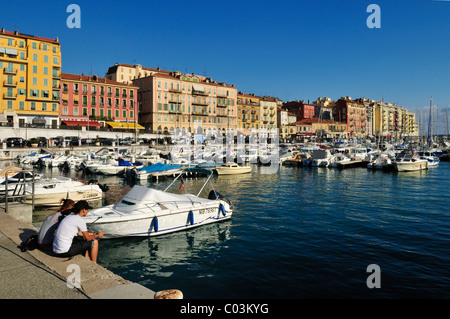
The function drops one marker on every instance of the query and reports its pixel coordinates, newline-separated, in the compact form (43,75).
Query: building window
(44,106)
(35,69)
(22,105)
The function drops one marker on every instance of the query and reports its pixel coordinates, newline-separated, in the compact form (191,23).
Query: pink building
(103,102)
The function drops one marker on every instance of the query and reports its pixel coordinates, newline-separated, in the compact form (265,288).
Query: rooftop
(27,36)
(91,78)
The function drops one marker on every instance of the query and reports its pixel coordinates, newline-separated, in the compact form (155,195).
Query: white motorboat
(15,177)
(382,162)
(432,159)
(50,192)
(232,168)
(144,172)
(338,158)
(146,211)
(321,158)
(407,162)
(122,167)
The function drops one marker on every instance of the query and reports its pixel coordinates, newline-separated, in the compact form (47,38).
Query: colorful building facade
(268,117)
(249,113)
(30,73)
(353,114)
(174,100)
(94,101)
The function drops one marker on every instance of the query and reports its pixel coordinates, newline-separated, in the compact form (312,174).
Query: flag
(182,182)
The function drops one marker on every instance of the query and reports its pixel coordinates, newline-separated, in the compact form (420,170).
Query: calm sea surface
(300,233)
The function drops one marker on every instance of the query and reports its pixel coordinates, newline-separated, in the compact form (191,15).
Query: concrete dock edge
(96,282)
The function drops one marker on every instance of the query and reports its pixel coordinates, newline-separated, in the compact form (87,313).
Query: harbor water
(299,233)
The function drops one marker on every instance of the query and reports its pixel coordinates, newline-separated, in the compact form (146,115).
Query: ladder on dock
(19,190)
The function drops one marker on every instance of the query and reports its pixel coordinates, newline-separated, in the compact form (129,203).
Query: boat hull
(233,170)
(53,198)
(153,224)
(410,166)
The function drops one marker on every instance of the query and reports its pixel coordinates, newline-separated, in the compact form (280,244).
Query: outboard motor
(104,187)
(214,195)
(93,182)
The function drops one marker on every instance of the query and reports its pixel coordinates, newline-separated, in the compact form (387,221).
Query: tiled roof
(27,36)
(93,78)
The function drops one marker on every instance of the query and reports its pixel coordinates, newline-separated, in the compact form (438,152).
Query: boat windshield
(123,201)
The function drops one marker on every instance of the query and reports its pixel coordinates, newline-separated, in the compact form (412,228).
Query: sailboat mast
(429,125)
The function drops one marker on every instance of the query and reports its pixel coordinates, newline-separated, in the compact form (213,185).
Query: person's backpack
(30,244)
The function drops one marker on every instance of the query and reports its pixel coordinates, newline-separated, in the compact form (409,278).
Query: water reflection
(155,254)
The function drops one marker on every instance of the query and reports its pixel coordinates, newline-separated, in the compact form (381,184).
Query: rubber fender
(155,224)
(191,218)
(222,209)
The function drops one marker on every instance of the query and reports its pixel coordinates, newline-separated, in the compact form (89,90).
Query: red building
(300,109)
(353,114)
(101,101)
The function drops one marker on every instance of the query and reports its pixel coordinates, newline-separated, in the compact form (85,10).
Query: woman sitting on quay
(47,231)
(72,237)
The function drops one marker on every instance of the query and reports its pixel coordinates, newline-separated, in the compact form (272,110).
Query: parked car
(43,141)
(105,141)
(15,142)
(124,142)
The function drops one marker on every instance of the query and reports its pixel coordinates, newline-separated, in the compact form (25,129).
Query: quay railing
(18,189)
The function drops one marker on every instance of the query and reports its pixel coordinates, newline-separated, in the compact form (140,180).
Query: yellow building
(30,71)
(248,111)
(268,112)
(393,121)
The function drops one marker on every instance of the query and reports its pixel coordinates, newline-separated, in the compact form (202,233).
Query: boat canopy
(158,167)
(198,170)
(123,162)
(145,195)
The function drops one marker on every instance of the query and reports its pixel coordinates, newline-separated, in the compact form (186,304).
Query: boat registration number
(206,210)
(89,195)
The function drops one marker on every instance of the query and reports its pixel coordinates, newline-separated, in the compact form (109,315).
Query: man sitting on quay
(72,237)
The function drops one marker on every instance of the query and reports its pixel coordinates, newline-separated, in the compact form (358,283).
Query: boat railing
(175,203)
(19,191)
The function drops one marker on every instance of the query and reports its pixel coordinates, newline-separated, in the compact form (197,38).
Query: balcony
(10,71)
(200,103)
(173,110)
(10,83)
(9,96)
(196,92)
(221,102)
(173,90)
(200,112)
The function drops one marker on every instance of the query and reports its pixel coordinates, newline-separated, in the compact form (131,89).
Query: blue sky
(287,49)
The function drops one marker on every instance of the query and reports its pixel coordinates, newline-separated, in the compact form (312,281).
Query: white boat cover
(145,195)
